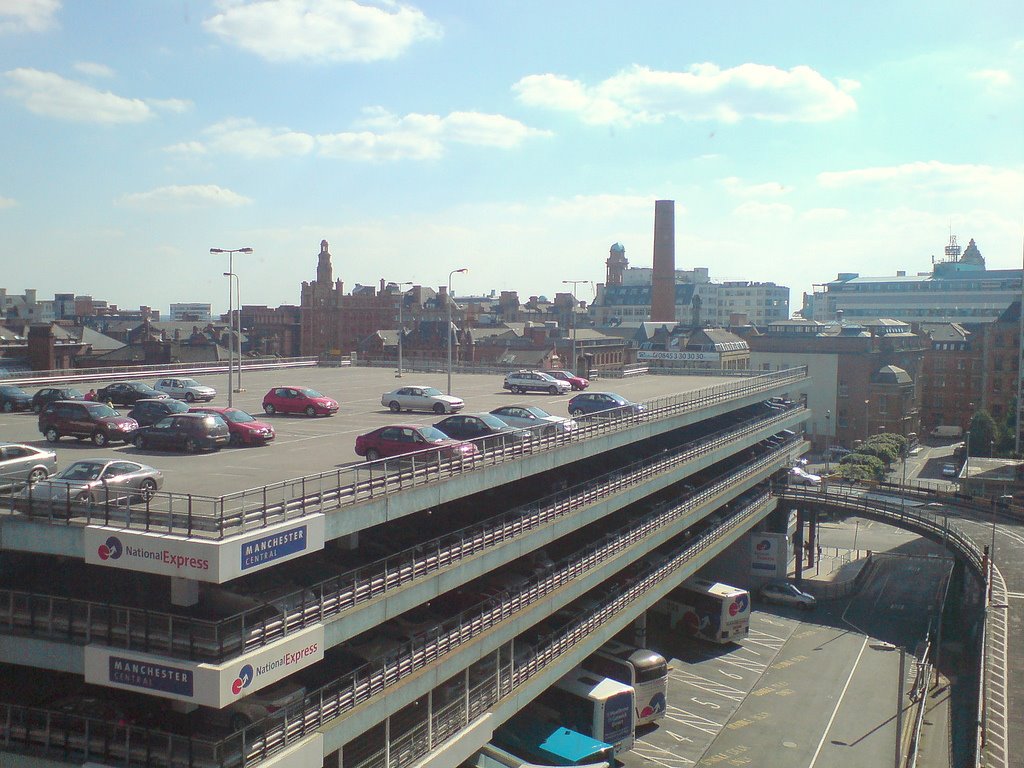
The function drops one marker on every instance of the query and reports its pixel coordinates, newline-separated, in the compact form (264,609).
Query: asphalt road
(305,445)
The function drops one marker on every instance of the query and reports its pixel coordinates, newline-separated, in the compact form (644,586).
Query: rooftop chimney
(663,278)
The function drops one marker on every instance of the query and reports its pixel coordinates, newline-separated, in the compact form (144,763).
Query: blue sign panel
(273,547)
(154,677)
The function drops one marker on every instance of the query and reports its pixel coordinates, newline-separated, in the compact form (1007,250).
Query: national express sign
(202,559)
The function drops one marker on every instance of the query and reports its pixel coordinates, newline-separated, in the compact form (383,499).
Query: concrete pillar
(640,631)
(184,592)
(663,277)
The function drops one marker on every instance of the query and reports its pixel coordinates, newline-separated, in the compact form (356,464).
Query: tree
(983,433)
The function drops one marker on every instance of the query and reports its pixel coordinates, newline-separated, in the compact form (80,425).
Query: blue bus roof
(570,746)
(546,740)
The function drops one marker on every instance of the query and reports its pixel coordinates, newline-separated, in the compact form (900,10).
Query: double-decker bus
(709,610)
(594,705)
(646,671)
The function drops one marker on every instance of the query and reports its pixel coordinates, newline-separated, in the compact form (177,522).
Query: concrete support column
(640,630)
(184,592)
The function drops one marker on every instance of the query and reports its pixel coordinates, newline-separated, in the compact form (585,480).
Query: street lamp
(967,462)
(231,269)
(237,328)
(572,321)
(449,328)
(401,327)
(828,439)
(867,426)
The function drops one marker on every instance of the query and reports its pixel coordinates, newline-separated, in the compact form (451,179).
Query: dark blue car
(587,403)
(14,399)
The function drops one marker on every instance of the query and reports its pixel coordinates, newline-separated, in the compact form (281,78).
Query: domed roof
(618,248)
(891,374)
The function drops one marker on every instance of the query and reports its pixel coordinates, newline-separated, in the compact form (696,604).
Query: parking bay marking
(660,755)
(724,690)
(692,720)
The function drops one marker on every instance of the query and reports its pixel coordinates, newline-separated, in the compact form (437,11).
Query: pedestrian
(90,395)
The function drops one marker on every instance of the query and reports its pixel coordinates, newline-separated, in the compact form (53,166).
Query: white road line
(839,701)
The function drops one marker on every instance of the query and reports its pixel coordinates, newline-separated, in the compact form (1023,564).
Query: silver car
(95,481)
(421,399)
(24,464)
(537,419)
(785,593)
(189,390)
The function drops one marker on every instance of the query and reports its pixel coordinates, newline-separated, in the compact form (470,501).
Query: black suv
(148,411)
(127,392)
(86,421)
(49,394)
(186,431)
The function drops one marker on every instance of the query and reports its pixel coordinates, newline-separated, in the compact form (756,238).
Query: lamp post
(231,269)
(449,328)
(572,320)
(867,426)
(237,328)
(401,326)
(828,438)
(967,461)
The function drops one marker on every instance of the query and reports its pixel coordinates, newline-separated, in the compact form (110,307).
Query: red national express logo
(111,549)
(763,545)
(243,680)
(739,605)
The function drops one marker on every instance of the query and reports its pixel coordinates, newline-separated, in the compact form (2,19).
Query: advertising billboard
(769,554)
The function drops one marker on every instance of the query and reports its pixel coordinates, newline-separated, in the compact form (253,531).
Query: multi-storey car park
(387,613)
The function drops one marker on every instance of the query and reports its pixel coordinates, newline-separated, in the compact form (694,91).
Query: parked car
(149,411)
(14,399)
(188,390)
(534,418)
(401,439)
(578,383)
(485,429)
(84,420)
(299,400)
(950,470)
(800,476)
(535,381)
(785,593)
(418,398)
(265,703)
(24,464)
(190,432)
(127,393)
(587,403)
(89,481)
(245,429)
(50,394)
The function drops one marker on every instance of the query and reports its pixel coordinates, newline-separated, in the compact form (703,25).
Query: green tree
(983,433)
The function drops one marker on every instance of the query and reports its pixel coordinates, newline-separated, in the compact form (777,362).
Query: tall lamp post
(828,438)
(237,329)
(231,269)
(572,321)
(449,328)
(401,325)
(867,425)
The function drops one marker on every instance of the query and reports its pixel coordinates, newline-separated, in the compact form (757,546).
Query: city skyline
(418,139)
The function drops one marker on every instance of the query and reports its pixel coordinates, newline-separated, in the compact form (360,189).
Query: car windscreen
(432,392)
(540,413)
(81,470)
(492,421)
(310,393)
(101,411)
(237,417)
(188,383)
(433,435)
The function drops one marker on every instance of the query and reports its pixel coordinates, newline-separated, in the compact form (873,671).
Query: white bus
(646,671)
(595,706)
(709,610)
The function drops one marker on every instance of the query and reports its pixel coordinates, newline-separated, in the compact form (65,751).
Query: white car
(537,419)
(189,390)
(421,399)
(535,381)
(785,593)
(800,476)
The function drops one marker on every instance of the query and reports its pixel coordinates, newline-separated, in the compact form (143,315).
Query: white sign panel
(201,559)
(769,554)
(710,357)
(215,685)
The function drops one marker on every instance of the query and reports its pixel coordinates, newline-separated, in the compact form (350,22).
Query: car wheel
(235,440)
(99,439)
(552,390)
(576,412)
(190,445)
(310,410)
(439,408)
(36,475)
(37,408)
(189,397)
(140,442)
(8,406)
(269,408)
(147,488)
(394,406)
(51,435)
(372,455)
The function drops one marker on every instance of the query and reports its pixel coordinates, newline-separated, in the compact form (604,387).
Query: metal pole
(231,346)
(448,330)
(828,438)
(231,325)
(572,321)
(238,335)
(401,301)
(899,707)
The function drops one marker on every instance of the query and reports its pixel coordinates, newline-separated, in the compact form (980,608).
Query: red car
(578,383)
(400,439)
(299,400)
(245,429)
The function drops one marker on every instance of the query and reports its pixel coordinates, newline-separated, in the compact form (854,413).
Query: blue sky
(519,140)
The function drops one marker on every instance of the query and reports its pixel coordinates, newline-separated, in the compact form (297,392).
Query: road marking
(839,701)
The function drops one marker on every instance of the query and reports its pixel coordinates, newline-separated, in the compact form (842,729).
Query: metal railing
(35,729)
(219,516)
(141,629)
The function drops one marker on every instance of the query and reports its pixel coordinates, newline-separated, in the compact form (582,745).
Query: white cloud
(50,95)
(933,178)
(7,202)
(187,148)
(93,69)
(321,30)
(27,15)
(993,79)
(171,105)
(736,186)
(370,146)
(825,215)
(704,92)
(770,211)
(245,137)
(183,198)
